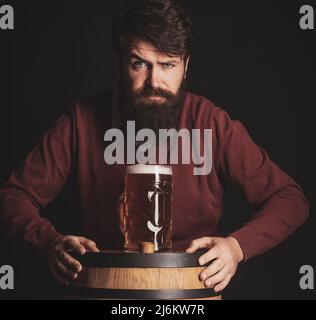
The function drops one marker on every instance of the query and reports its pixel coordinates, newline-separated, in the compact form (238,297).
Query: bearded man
(153,41)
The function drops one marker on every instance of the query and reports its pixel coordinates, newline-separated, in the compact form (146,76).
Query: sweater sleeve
(35,184)
(280,201)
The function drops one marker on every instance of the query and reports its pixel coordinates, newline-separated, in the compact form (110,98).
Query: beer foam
(148,169)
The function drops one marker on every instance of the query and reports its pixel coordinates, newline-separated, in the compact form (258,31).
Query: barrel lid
(121,259)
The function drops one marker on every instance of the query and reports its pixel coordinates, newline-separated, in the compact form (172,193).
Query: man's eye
(138,64)
(167,65)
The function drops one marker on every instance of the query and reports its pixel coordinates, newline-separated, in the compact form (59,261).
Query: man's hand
(63,266)
(226,254)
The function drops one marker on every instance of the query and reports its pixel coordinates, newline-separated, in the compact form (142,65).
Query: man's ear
(186,66)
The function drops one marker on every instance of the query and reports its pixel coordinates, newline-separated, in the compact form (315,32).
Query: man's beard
(152,114)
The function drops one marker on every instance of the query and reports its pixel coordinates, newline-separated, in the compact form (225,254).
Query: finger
(73,244)
(217,278)
(210,255)
(89,244)
(67,259)
(64,270)
(200,243)
(223,284)
(212,269)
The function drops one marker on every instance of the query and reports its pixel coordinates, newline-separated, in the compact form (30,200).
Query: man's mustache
(147,92)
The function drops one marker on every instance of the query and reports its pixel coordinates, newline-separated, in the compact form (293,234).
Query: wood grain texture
(140,278)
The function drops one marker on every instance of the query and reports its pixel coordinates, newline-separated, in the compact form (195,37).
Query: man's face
(152,87)
(153,73)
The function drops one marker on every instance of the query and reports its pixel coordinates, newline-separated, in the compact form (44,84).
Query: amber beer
(145,211)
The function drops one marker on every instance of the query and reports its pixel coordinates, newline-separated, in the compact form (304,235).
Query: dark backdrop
(250,58)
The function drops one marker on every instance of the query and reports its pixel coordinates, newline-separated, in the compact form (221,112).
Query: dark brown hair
(163,23)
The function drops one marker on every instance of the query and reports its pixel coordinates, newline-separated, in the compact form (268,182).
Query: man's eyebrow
(169,61)
(136,56)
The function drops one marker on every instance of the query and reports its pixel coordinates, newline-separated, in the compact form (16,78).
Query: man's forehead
(147,50)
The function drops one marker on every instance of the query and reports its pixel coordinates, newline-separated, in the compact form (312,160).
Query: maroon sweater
(76,144)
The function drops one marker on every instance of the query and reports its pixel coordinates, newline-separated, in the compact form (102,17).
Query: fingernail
(75,276)
(208,284)
(201,262)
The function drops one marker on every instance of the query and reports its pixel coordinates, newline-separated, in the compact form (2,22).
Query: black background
(251,58)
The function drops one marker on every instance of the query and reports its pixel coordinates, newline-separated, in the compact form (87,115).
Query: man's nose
(153,78)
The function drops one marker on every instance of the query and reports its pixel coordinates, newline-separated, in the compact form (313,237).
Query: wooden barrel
(122,275)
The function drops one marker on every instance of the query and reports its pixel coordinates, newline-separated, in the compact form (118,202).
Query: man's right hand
(62,265)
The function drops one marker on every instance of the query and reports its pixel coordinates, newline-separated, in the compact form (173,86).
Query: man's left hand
(225,254)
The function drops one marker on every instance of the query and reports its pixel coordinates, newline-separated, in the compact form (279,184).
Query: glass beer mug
(145,207)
